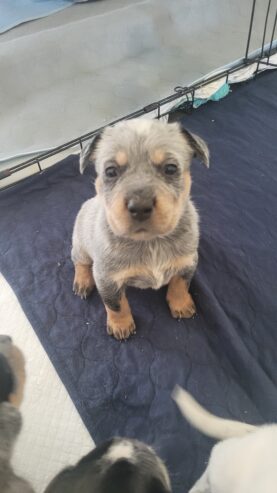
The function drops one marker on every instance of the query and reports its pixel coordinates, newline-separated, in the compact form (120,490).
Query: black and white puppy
(117,466)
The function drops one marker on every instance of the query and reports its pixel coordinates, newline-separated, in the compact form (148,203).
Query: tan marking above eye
(121,158)
(157,156)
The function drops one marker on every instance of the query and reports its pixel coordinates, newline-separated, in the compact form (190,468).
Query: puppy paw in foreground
(12,380)
(245,461)
(141,229)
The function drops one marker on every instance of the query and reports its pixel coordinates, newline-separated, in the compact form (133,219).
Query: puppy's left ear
(198,145)
(87,154)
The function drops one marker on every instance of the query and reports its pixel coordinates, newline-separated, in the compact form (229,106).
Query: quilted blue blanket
(226,355)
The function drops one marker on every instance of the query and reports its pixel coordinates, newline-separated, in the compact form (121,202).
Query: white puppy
(244,462)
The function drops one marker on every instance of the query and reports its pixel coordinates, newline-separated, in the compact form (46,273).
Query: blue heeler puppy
(141,229)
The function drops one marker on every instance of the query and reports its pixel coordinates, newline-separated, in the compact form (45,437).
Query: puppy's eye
(170,169)
(111,171)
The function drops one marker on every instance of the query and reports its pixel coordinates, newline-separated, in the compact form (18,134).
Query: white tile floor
(53,435)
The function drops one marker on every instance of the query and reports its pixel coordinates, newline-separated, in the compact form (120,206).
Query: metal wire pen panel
(161,108)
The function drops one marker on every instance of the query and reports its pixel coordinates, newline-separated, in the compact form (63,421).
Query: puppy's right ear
(198,146)
(88,153)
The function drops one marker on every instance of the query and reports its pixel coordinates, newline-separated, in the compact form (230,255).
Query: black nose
(5,339)
(139,208)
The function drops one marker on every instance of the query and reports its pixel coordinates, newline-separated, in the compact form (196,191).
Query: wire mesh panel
(182,96)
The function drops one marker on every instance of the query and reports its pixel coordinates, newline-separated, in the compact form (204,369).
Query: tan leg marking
(120,324)
(179,300)
(83,280)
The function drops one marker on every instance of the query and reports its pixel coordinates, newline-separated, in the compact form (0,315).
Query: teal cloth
(216,96)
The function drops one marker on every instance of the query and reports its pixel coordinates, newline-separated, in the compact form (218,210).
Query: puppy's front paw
(83,281)
(179,300)
(182,307)
(122,328)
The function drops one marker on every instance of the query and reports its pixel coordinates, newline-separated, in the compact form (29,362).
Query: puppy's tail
(206,422)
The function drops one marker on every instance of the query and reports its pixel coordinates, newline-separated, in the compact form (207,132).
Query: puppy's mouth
(142,234)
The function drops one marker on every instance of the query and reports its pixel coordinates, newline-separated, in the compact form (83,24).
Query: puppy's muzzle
(140,204)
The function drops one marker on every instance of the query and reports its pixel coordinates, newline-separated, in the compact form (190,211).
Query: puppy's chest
(154,270)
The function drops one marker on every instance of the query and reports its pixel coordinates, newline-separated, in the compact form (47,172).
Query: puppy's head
(116,466)
(12,372)
(143,175)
